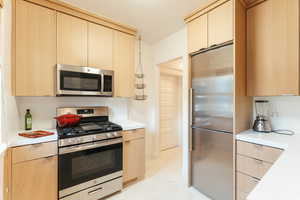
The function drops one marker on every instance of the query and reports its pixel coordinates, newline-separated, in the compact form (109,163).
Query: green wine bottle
(28,120)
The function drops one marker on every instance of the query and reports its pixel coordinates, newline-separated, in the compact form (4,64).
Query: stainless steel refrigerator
(212,122)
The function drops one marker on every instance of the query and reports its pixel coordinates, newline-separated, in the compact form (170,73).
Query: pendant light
(140,85)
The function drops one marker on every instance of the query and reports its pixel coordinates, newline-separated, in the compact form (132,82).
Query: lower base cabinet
(133,155)
(252,163)
(35,177)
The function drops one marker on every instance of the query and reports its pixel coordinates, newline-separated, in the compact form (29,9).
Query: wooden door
(100,46)
(124,64)
(273,48)
(220,24)
(134,159)
(197,34)
(71,40)
(169,112)
(35,50)
(35,180)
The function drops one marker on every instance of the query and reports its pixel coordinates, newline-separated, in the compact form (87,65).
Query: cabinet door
(134,159)
(273,48)
(124,64)
(35,180)
(100,47)
(35,50)
(197,34)
(220,24)
(71,40)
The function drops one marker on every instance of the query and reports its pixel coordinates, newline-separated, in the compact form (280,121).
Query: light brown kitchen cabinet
(31,172)
(133,155)
(100,47)
(124,64)
(35,50)
(252,163)
(220,24)
(197,34)
(72,40)
(273,48)
(35,180)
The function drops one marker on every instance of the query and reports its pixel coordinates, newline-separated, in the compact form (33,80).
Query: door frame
(167,68)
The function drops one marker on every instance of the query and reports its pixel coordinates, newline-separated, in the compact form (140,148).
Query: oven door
(74,80)
(86,165)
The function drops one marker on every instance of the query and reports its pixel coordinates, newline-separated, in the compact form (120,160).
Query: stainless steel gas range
(90,155)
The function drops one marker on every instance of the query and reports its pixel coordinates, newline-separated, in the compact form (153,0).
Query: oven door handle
(94,145)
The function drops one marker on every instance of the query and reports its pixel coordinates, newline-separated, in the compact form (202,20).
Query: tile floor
(163,182)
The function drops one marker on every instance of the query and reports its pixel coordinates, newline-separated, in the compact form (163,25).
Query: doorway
(170,105)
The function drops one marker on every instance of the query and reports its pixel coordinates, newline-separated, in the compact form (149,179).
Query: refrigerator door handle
(191,120)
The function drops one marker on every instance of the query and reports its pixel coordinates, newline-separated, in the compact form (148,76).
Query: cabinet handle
(37,145)
(260,162)
(95,191)
(214,45)
(259,147)
(255,181)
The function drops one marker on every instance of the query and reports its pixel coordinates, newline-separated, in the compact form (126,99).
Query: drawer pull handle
(95,191)
(37,145)
(255,181)
(258,146)
(260,162)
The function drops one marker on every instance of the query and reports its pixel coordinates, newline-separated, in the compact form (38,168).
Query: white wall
(172,47)
(143,111)
(43,109)
(284,112)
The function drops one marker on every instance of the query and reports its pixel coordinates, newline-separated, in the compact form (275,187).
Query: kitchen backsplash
(284,112)
(43,109)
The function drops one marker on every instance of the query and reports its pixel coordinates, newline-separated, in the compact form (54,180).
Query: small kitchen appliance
(90,156)
(83,81)
(262,122)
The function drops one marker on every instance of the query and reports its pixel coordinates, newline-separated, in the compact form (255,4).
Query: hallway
(163,181)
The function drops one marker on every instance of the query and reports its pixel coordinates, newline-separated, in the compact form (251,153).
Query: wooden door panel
(35,50)
(35,180)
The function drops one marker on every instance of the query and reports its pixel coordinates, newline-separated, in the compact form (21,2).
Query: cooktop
(87,128)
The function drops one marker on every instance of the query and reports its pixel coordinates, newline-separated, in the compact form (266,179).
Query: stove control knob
(116,134)
(108,135)
(95,137)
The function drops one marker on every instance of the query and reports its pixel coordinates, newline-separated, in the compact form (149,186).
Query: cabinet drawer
(34,151)
(133,134)
(260,152)
(245,184)
(252,167)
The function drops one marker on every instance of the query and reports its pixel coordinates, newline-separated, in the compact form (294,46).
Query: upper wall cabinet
(35,50)
(72,40)
(211,26)
(197,34)
(273,48)
(124,64)
(220,24)
(100,46)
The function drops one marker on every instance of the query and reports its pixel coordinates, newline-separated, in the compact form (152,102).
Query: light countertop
(130,125)
(17,140)
(281,182)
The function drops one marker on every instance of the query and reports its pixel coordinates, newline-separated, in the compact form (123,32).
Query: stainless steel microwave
(83,81)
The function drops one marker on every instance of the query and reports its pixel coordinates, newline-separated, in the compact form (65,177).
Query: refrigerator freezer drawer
(212,163)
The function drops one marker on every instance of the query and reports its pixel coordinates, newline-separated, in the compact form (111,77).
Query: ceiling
(155,19)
